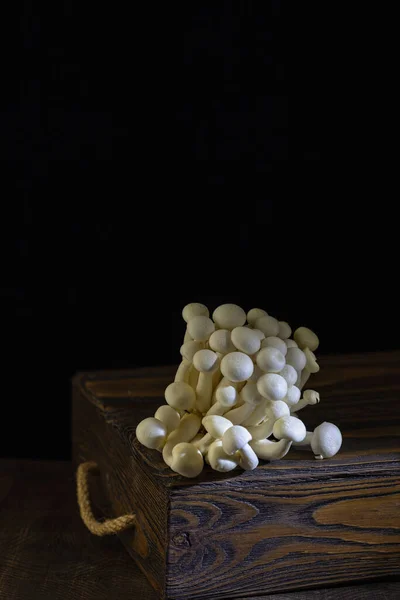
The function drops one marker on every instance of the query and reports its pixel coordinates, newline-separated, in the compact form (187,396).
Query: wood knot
(182,540)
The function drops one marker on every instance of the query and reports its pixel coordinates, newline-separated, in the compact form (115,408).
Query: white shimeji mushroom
(262,372)
(290,374)
(236,439)
(292,397)
(272,386)
(311,367)
(169,416)
(270,360)
(229,316)
(152,433)
(200,328)
(268,325)
(290,343)
(276,342)
(275,411)
(220,341)
(219,460)
(226,397)
(195,309)
(254,314)
(258,415)
(259,333)
(187,460)
(215,426)
(180,396)
(296,358)
(188,350)
(251,398)
(325,440)
(245,340)
(188,428)
(289,428)
(306,338)
(237,366)
(310,397)
(269,450)
(256,374)
(285,330)
(204,361)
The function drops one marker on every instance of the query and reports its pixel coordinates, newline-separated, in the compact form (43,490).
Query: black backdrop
(198,152)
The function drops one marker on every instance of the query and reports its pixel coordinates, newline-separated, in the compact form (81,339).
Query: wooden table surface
(47,554)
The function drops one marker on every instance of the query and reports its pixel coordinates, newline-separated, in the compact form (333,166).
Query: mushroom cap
(296,358)
(226,395)
(152,433)
(290,344)
(194,309)
(216,425)
(187,460)
(268,325)
(260,333)
(311,364)
(254,314)
(290,374)
(306,338)
(220,341)
(285,331)
(219,460)
(180,395)
(275,342)
(229,316)
(326,440)
(169,416)
(289,428)
(277,409)
(237,366)
(189,349)
(251,394)
(311,396)
(235,438)
(245,340)
(270,360)
(293,395)
(200,328)
(272,386)
(205,361)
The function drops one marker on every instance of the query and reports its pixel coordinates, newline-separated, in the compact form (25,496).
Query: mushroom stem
(259,414)
(204,443)
(304,377)
(183,371)
(187,337)
(306,441)
(267,450)
(188,427)
(309,397)
(204,392)
(248,458)
(237,415)
(193,377)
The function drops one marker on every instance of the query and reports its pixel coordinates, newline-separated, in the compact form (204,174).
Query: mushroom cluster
(236,394)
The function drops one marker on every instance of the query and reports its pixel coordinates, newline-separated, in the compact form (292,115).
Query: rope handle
(107,527)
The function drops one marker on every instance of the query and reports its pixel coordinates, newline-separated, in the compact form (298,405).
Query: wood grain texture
(47,554)
(291,524)
(127,484)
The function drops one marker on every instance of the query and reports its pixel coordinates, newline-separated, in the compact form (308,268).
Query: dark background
(211,152)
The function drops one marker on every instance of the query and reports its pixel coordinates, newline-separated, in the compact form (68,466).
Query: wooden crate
(291,524)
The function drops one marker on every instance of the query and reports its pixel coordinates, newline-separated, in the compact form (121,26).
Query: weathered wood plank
(290,524)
